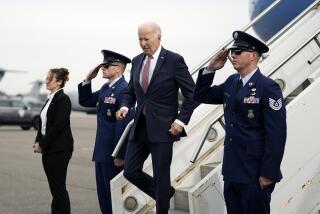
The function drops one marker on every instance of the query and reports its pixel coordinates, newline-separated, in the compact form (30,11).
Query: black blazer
(58,135)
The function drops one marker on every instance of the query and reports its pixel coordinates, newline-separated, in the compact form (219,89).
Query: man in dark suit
(255,121)
(109,130)
(157,75)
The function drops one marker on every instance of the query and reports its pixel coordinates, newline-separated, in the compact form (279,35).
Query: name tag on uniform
(110,100)
(251,100)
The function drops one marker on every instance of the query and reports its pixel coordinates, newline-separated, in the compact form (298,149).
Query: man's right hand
(93,73)
(121,113)
(217,62)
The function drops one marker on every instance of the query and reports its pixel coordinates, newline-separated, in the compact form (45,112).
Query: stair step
(207,168)
(181,202)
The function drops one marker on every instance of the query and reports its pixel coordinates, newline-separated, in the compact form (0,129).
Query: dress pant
(55,166)
(105,172)
(247,198)
(159,186)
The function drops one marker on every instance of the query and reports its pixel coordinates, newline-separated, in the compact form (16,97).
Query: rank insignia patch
(275,105)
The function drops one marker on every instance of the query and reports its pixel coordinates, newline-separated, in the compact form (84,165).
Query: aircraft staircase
(294,63)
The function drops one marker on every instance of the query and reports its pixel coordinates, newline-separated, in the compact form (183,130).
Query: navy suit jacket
(255,119)
(109,130)
(160,102)
(58,135)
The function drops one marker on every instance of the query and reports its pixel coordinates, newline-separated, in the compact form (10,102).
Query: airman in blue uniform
(255,123)
(107,101)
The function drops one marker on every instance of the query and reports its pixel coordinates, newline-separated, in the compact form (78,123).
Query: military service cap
(110,57)
(244,41)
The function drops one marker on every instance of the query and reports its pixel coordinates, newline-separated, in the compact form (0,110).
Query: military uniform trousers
(105,172)
(55,166)
(243,198)
(159,186)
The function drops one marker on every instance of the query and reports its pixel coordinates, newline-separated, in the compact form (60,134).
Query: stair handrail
(275,37)
(122,139)
(272,40)
(220,116)
(230,40)
(204,137)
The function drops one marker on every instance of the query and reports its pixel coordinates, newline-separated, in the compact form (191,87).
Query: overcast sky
(37,35)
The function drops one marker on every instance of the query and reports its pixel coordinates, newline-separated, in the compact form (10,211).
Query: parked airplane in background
(276,19)
(76,106)
(3,72)
(34,96)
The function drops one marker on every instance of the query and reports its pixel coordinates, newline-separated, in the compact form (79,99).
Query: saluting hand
(175,128)
(93,73)
(121,113)
(217,62)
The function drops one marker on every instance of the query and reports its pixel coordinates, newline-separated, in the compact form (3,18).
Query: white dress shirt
(248,77)
(43,114)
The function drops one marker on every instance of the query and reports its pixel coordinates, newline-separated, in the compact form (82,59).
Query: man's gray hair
(154,26)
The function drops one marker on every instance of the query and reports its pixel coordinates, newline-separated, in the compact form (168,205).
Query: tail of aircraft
(35,90)
(4,71)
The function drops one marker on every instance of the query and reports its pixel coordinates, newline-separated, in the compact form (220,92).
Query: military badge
(275,105)
(109,113)
(110,100)
(251,100)
(250,84)
(235,35)
(250,114)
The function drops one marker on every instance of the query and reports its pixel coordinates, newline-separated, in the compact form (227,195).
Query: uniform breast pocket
(252,112)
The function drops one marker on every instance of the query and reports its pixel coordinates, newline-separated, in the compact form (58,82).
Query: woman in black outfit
(54,139)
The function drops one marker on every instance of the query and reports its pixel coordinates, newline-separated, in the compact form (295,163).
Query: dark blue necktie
(240,84)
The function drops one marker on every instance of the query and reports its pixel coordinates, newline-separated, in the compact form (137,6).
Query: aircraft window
(36,105)
(4,103)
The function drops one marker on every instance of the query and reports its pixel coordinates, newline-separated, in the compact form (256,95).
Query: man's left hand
(118,162)
(36,148)
(264,182)
(175,128)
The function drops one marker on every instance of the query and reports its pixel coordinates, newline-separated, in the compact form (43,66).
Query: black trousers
(159,186)
(247,198)
(55,166)
(105,172)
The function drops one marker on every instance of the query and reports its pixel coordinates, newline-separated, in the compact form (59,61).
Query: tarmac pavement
(23,185)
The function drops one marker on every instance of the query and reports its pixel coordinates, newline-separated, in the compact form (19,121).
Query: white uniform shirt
(43,114)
